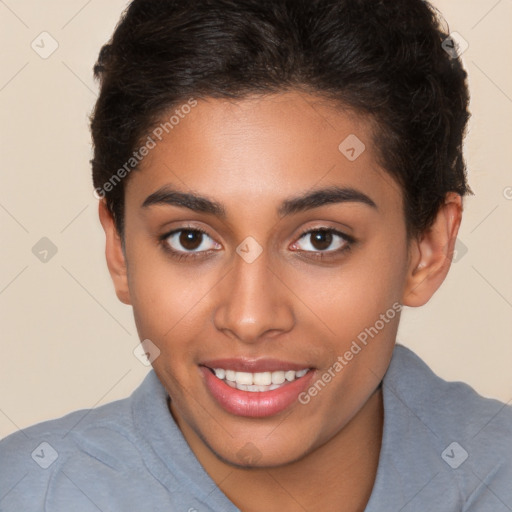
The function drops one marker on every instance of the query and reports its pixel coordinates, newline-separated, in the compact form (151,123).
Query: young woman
(277,180)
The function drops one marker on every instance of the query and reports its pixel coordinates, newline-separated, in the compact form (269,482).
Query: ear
(116,260)
(431,254)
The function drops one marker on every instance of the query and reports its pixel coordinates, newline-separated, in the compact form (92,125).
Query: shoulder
(45,456)
(74,431)
(450,407)
(461,438)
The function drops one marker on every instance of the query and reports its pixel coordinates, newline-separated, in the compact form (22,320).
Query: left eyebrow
(166,195)
(321,197)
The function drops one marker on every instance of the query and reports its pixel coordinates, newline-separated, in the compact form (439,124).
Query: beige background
(67,342)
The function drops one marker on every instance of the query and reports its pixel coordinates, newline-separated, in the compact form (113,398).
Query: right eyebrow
(166,195)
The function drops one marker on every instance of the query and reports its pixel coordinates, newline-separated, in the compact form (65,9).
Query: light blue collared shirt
(444,449)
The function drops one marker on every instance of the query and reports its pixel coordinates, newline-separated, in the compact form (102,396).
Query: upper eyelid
(305,232)
(347,238)
(341,234)
(325,228)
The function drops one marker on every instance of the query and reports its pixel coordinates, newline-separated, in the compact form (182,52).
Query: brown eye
(192,241)
(323,240)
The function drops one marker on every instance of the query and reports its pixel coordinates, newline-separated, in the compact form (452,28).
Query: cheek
(382,269)
(169,302)
(354,295)
(175,301)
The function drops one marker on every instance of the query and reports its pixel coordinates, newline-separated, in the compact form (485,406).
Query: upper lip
(254,365)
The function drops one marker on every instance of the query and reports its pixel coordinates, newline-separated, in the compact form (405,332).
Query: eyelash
(320,255)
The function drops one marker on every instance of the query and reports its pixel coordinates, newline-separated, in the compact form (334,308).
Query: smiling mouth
(258,381)
(240,390)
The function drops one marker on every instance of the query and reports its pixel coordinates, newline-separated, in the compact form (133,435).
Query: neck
(340,472)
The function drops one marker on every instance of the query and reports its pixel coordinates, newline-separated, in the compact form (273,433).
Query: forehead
(260,149)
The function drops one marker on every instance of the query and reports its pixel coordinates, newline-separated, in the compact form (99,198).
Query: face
(261,253)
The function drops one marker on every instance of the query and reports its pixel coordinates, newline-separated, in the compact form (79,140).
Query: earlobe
(116,260)
(431,254)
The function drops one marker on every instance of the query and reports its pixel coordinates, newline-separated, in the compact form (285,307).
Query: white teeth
(220,373)
(259,381)
(278,377)
(289,375)
(243,378)
(262,378)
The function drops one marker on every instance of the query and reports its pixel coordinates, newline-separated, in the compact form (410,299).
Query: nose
(254,302)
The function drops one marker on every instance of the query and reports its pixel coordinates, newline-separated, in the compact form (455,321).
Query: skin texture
(250,155)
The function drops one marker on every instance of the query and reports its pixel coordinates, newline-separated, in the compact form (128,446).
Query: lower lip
(257,404)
